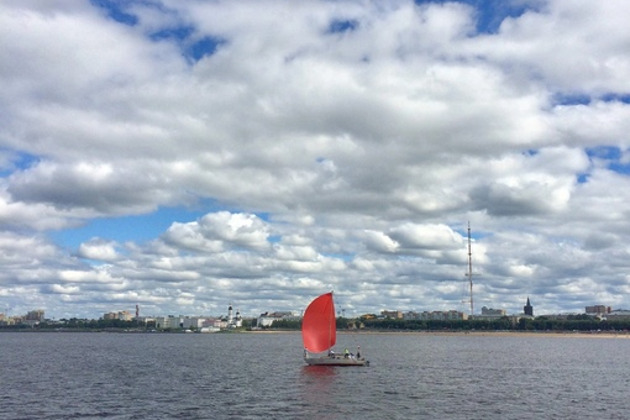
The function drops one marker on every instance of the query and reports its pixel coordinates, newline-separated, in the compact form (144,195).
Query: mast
(333,322)
(469,274)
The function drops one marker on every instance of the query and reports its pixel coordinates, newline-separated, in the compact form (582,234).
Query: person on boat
(346,353)
(358,352)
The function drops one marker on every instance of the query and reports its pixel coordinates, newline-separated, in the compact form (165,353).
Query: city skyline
(230,311)
(180,155)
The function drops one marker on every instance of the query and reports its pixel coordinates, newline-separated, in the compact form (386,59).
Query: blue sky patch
(583,178)
(613,155)
(617,97)
(115,10)
(604,152)
(474,234)
(568,99)
(183,35)
(338,26)
(490,13)
(138,228)
(564,99)
(17,161)
(178,33)
(620,168)
(204,47)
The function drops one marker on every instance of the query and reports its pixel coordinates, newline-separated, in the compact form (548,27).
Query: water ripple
(253,376)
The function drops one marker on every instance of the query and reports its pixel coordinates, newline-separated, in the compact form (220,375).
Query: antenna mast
(470,271)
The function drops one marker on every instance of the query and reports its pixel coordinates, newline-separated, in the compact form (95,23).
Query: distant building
(33,317)
(598,310)
(196,322)
(392,314)
(188,322)
(451,315)
(203,323)
(37,315)
(618,315)
(168,322)
(7,320)
(492,313)
(234,321)
(411,315)
(109,316)
(528,309)
(267,319)
(120,315)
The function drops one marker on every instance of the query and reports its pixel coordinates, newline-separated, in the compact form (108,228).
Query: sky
(185,156)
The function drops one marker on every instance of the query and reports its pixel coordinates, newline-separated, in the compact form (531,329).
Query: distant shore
(560,334)
(442,333)
(556,334)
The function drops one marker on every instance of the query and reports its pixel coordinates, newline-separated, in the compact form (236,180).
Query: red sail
(319,332)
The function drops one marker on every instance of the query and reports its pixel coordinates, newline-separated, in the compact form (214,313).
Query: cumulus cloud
(98,249)
(214,231)
(317,145)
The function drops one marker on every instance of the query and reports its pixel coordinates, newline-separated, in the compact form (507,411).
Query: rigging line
(470,270)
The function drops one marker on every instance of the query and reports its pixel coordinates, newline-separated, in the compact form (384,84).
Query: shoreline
(552,334)
(454,333)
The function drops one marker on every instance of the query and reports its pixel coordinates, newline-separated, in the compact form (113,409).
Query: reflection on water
(317,384)
(319,371)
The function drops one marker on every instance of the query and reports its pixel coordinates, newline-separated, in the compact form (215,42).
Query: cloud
(98,249)
(426,236)
(215,231)
(312,145)
(587,60)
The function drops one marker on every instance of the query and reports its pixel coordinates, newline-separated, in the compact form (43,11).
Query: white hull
(335,361)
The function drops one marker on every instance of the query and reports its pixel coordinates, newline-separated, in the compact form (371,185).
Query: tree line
(582,323)
(77,324)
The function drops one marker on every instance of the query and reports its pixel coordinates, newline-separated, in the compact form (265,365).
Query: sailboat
(319,334)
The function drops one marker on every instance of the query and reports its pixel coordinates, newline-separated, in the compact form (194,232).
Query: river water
(253,376)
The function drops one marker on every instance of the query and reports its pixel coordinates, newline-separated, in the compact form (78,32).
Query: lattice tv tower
(469,274)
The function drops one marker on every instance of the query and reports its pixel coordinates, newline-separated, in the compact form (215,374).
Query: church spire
(528,309)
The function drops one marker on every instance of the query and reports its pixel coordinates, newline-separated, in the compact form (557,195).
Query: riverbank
(561,334)
(557,334)
(445,333)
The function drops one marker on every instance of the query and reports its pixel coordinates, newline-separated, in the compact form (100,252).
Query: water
(252,376)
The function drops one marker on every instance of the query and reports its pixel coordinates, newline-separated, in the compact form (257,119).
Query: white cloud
(215,231)
(98,249)
(349,159)
(571,46)
(380,242)
(64,290)
(241,229)
(437,237)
